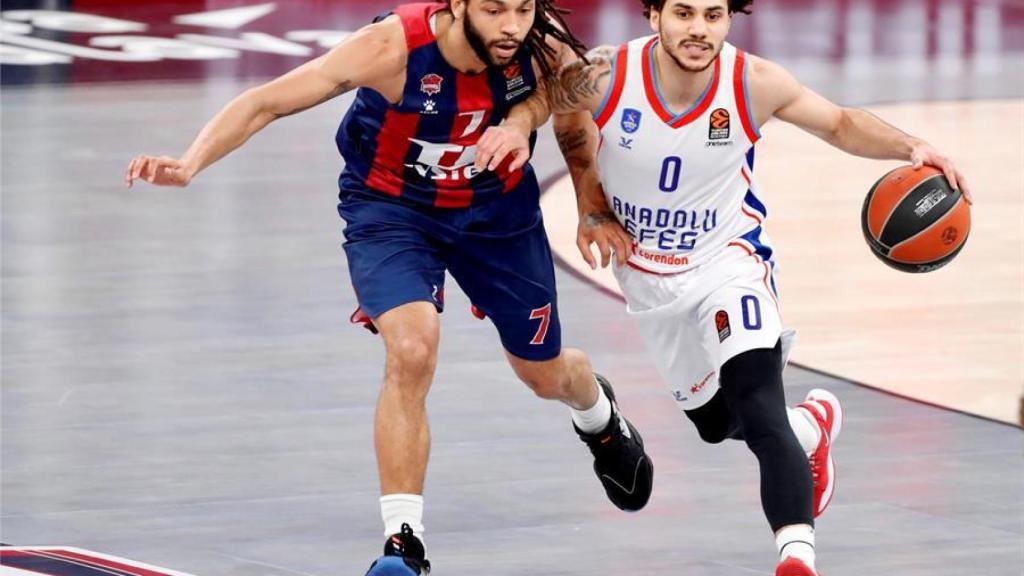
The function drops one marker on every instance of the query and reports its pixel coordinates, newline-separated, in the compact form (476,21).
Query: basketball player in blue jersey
(671,192)
(432,77)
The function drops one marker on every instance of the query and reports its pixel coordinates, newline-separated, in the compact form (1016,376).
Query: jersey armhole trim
(614,93)
(743,104)
(416,23)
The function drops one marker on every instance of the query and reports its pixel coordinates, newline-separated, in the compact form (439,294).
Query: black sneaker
(620,462)
(403,556)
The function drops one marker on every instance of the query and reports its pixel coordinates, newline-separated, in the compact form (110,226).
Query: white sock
(398,509)
(796,540)
(806,428)
(594,419)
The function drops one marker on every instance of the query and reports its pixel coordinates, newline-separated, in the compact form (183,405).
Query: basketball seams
(897,204)
(912,193)
(951,213)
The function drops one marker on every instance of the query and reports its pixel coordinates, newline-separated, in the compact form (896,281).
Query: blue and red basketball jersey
(421,151)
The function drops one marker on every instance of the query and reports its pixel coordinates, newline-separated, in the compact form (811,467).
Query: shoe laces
(406,546)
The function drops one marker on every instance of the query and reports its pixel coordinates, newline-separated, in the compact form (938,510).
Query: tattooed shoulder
(606,51)
(580,84)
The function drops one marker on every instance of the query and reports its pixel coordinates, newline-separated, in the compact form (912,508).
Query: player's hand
(923,153)
(497,143)
(161,171)
(603,229)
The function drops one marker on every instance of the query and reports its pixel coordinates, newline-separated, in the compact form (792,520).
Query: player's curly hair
(734,6)
(550,21)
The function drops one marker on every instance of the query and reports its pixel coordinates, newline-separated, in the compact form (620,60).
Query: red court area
(118,41)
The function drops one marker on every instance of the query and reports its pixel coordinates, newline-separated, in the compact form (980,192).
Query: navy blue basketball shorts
(497,252)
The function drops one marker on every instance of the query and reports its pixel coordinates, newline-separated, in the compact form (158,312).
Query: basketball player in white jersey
(674,197)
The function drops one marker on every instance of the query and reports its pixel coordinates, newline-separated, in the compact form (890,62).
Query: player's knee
(713,420)
(546,386)
(713,434)
(546,379)
(411,359)
(753,382)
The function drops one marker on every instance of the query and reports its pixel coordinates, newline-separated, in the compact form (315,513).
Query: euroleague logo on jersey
(719,125)
(722,324)
(513,73)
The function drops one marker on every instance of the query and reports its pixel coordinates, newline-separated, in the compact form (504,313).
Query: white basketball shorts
(695,321)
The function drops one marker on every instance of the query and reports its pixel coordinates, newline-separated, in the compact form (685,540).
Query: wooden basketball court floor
(180,384)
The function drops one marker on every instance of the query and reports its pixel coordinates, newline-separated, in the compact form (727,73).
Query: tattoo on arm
(578,82)
(571,140)
(338,90)
(573,146)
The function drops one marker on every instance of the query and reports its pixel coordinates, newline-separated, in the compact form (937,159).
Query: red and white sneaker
(794,567)
(825,408)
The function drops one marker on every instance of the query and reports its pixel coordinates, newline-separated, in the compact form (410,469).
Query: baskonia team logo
(431,84)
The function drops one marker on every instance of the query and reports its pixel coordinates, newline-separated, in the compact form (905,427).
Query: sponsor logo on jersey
(431,84)
(661,258)
(429,107)
(626,143)
(443,161)
(662,229)
(631,120)
(722,324)
(700,385)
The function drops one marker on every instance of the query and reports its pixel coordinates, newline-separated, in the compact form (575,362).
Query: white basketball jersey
(680,183)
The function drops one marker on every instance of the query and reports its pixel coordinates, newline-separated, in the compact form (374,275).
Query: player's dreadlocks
(734,6)
(550,21)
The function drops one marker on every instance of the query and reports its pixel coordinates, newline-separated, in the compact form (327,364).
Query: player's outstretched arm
(578,86)
(577,137)
(370,57)
(852,130)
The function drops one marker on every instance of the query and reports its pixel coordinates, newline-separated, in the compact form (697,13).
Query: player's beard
(688,68)
(477,43)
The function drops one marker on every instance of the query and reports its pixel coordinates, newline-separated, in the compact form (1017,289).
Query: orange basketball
(914,221)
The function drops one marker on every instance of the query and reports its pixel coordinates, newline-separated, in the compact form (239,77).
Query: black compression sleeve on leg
(752,384)
(714,421)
